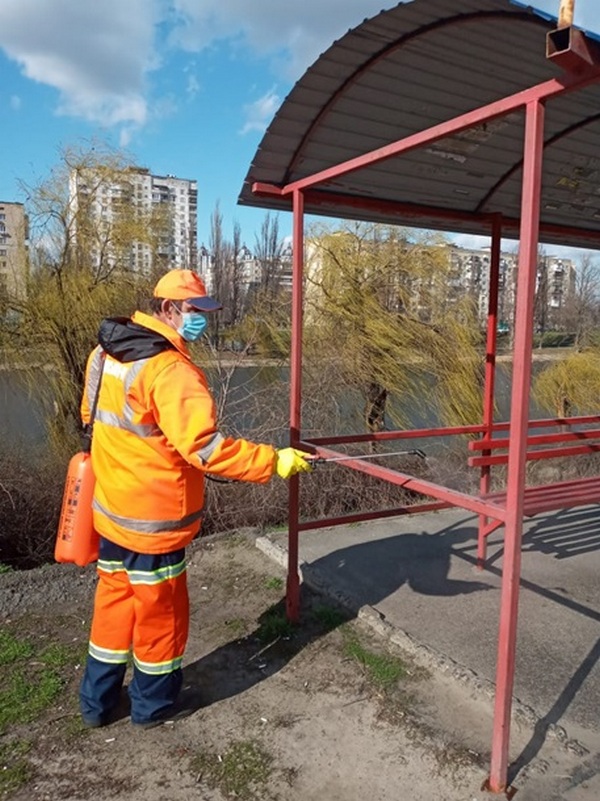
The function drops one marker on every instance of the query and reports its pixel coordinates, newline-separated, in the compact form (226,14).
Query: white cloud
(99,54)
(259,114)
(295,33)
(95,54)
(15,102)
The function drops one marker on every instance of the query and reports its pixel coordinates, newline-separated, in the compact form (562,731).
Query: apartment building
(555,280)
(14,240)
(145,192)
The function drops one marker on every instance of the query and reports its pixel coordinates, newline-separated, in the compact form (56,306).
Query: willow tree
(382,316)
(570,386)
(85,229)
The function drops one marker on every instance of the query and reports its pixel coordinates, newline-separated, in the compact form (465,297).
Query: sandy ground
(291,716)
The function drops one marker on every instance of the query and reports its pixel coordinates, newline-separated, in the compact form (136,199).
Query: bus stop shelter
(473,116)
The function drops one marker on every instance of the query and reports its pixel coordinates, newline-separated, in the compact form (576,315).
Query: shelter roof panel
(412,67)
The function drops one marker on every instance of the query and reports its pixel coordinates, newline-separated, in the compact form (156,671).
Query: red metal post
(292,598)
(511,570)
(490,372)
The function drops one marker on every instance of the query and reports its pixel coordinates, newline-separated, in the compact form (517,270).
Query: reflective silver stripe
(148,526)
(106,655)
(158,668)
(133,372)
(124,421)
(207,451)
(157,576)
(93,376)
(141,429)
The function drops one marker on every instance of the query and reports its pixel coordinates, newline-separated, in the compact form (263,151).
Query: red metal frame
(507,508)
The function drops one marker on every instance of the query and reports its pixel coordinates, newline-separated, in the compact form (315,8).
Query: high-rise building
(13,250)
(145,192)
(555,280)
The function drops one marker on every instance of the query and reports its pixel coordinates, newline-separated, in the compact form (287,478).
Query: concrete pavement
(415,577)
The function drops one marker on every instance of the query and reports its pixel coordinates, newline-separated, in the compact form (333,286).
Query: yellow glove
(291,461)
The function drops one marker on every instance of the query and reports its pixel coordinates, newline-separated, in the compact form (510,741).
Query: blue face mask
(193,326)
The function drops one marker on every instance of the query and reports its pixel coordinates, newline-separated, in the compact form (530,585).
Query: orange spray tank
(76,540)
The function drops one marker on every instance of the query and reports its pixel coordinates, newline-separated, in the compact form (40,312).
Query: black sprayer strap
(88,429)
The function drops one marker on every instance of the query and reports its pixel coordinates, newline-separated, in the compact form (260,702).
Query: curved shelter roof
(417,65)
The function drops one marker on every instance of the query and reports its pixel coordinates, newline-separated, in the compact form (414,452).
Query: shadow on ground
(242,663)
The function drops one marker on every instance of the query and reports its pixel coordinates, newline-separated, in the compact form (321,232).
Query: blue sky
(185,86)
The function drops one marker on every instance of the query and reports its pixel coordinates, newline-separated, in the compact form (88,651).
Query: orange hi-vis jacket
(154,437)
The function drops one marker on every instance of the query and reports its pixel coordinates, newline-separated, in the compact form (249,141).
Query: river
(23,409)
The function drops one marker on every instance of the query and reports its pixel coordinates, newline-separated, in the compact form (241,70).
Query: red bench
(544,498)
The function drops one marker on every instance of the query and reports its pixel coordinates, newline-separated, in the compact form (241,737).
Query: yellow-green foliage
(80,273)
(571,385)
(380,312)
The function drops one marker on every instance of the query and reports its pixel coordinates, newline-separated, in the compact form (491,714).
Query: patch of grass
(383,670)
(15,769)
(274,624)
(13,649)
(274,583)
(242,771)
(328,617)
(35,679)
(4,568)
(236,626)
(22,698)
(58,656)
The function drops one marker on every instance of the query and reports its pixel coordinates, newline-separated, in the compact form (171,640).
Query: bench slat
(546,453)
(536,439)
(562,495)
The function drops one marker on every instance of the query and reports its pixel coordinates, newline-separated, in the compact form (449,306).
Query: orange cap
(185,285)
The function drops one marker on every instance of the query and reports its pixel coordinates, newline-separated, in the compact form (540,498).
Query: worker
(155,437)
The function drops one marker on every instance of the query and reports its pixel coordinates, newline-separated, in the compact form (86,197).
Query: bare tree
(269,249)
(582,306)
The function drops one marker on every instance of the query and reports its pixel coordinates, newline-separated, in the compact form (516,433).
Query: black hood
(127,341)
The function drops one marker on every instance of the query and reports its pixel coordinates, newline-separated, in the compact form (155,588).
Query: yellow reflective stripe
(158,668)
(108,655)
(157,576)
(110,566)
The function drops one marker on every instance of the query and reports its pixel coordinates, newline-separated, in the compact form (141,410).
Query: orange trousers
(142,605)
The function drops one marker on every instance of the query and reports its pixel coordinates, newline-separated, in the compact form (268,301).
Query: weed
(4,568)
(274,583)
(274,624)
(328,617)
(383,670)
(242,771)
(15,769)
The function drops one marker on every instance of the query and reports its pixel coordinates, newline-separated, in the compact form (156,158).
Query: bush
(31,497)
(554,339)
(31,491)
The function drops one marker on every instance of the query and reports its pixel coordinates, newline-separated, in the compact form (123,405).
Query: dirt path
(321,712)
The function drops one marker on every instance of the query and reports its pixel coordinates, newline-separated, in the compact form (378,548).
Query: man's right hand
(291,461)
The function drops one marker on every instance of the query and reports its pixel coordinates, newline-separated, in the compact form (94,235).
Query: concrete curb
(425,656)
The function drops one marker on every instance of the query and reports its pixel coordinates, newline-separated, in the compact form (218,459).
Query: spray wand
(325,460)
